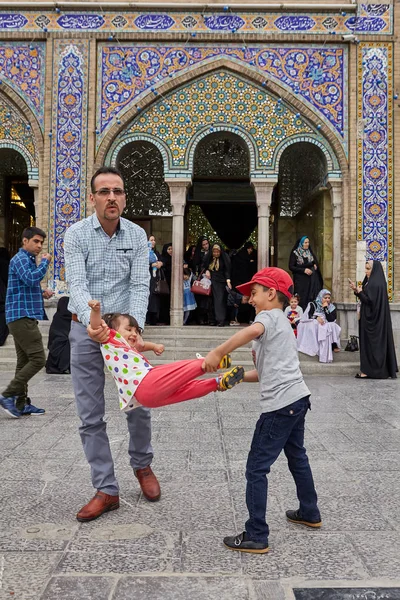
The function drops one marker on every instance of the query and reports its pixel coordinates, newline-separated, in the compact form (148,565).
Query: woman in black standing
(201,255)
(166,271)
(188,258)
(244,266)
(153,308)
(377,352)
(220,270)
(306,273)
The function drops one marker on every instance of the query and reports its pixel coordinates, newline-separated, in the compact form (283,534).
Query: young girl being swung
(141,384)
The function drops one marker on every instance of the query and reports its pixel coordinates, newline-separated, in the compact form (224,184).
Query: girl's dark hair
(187,272)
(113,320)
(296,296)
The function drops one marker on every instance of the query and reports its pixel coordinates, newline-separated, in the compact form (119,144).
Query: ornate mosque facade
(275,120)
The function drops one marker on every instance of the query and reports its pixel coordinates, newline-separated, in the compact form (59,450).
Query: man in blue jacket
(24,307)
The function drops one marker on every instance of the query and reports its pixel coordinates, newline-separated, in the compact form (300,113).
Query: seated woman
(318,334)
(58,359)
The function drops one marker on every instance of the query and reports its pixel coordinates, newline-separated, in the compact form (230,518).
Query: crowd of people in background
(219,271)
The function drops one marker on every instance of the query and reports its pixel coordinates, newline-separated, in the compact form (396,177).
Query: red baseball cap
(270,277)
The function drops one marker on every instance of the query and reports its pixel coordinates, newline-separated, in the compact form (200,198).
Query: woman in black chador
(58,360)
(165,299)
(244,266)
(220,271)
(153,307)
(306,274)
(377,353)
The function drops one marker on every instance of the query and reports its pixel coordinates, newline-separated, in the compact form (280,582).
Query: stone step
(184,342)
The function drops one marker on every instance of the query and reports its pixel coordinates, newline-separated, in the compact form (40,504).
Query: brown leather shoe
(149,484)
(99,504)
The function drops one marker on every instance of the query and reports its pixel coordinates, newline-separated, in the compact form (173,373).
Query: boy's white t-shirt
(277,362)
(127,366)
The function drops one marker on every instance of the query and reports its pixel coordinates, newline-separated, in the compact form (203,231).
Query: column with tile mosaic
(375,153)
(68,149)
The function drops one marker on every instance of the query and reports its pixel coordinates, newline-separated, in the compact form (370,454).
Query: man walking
(24,306)
(106,259)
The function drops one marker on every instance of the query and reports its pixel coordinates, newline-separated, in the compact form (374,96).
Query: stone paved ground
(172,550)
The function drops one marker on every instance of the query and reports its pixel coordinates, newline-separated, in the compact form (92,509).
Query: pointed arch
(244,71)
(24,133)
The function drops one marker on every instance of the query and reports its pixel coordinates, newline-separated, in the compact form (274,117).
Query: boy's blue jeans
(275,431)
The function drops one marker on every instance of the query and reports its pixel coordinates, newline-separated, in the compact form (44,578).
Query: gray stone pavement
(172,550)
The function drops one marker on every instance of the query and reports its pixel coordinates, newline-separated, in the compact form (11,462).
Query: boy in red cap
(285,400)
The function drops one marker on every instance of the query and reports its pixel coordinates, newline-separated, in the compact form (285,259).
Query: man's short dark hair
(104,171)
(30,232)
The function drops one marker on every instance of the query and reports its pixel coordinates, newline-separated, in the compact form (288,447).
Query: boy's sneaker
(8,405)
(242,543)
(231,378)
(294,517)
(29,409)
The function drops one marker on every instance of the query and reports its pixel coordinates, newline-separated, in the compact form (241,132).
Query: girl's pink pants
(174,382)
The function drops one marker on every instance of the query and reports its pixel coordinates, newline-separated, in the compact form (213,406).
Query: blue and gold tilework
(69,139)
(22,67)
(16,132)
(216,100)
(316,74)
(375,152)
(370,18)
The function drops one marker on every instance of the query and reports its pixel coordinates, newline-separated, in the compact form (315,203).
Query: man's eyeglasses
(106,192)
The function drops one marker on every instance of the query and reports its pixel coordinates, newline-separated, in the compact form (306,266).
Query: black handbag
(161,287)
(352,344)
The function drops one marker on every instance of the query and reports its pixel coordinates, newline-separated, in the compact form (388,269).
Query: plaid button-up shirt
(114,270)
(24,294)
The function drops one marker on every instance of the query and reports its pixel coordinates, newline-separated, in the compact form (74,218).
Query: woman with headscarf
(58,359)
(318,334)
(201,255)
(153,308)
(377,351)
(166,270)
(219,268)
(306,273)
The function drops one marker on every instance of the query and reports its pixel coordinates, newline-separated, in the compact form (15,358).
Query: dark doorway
(142,168)
(301,205)
(17,208)
(221,187)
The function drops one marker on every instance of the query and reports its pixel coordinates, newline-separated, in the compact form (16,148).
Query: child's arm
(241,338)
(251,376)
(156,348)
(95,316)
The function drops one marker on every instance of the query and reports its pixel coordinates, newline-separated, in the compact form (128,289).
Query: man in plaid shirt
(106,259)
(24,306)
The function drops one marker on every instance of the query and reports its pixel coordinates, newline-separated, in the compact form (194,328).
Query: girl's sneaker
(231,378)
